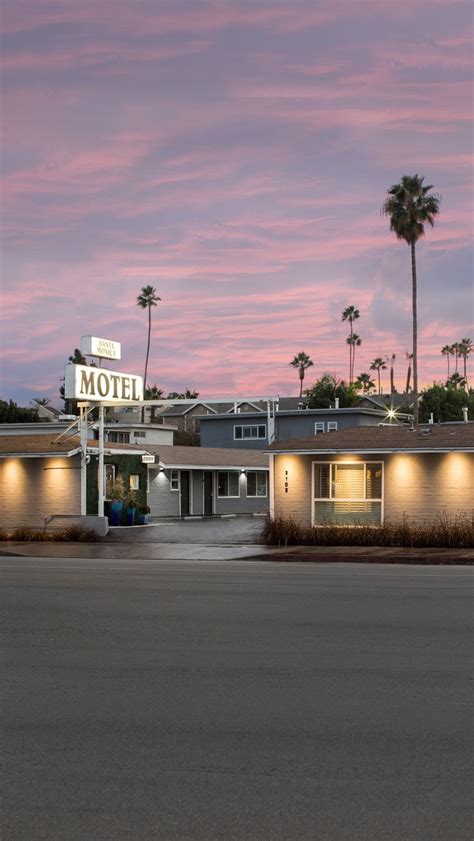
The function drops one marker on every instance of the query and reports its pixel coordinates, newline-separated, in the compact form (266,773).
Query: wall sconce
(243,471)
(161,470)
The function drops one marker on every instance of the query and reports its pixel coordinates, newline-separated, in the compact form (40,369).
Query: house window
(119,437)
(139,433)
(257,483)
(134,482)
(348,493)
(250,432)
(174,480)
(332,426)
(318,427)
(228,484)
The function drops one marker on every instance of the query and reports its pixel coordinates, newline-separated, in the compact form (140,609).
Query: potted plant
(141,515)
(131,506)
(115,492)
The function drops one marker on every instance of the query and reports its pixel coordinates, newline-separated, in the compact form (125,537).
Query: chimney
(431,420)
(336,402)
(465,414)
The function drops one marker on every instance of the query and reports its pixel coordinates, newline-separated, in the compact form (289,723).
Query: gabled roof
(184,408)
(384,439)
(204,458)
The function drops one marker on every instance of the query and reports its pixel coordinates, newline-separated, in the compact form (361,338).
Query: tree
(409,205)
(409,357)
(301,362)
(146,300)
(353,341)
(392,359)
(152,393)
(325,390)
(350,314)
(364,382)
(41,401)
(455,353)
(447,351)
(70,406)
(11,413)
(465,348)
(456,381)
(445,403)
(378,365)
(189,394)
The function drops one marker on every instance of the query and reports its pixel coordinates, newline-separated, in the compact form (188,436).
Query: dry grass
(455,532)
(71,534)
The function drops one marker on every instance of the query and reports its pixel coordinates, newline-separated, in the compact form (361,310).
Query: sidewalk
(220,552)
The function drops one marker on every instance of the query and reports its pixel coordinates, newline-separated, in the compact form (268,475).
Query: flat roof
(44,446)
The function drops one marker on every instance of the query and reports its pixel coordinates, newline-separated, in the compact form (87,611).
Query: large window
(248,431)
(228,484)
(348,493)
(257,483)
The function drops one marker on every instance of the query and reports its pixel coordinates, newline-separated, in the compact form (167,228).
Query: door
(208,493)
(184,493)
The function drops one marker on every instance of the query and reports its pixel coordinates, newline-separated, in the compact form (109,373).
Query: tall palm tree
(41,401)
(456,381)
(353,341)
(409,206)
(455,353)
(392,359)
(302,362)
(409,357)
(350,314)
(465,348)
(146,300)
(447,351)
(152,392)
(365,382)
(378,365)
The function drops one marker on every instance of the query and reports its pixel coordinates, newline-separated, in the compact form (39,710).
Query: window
(174,480)
(139,433)
(332,426)
(228,484)
(318,427)
(257,483)
(348,493)
(134,482)
(119,437)
(248,431)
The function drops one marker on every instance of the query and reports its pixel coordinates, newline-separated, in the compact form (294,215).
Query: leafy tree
(77,358)
(146,300)
(365,383)
(152,392)
(323,393)
(378,365)
(410,206)
(351,314)
(445,403)
(301,362)
(10,412)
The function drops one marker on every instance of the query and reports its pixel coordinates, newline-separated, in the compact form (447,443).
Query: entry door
(184,493)
(208,493)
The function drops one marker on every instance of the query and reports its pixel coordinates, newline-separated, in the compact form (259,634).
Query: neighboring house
(193,481)
(254,430)
(366,476)
(121,433)
(187,416)
(41,477)
(394,401)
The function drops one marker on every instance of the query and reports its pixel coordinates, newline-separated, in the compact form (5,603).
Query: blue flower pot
(116,508)
(130,516)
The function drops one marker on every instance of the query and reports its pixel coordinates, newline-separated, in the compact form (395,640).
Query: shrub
(71,534)
(445,532)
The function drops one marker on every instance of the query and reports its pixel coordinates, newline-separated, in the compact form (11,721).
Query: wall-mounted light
(243,471)
(161,470)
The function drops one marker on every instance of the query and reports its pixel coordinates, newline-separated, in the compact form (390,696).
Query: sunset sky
(235,155)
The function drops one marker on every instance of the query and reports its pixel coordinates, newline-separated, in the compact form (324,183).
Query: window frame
(322,427)
(331,498)
(134,481)
(256,495)
(257,437)
(228,496)
(175,479)
(332,426)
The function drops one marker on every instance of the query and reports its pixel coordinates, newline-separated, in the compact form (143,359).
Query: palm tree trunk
(301,380)
(407,387)
(448,355)
(415,334)
(146,360)
(351,357)
(378,375)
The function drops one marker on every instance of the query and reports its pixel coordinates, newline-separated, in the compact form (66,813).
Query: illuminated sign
(148,459)
(83,382)
(105,348)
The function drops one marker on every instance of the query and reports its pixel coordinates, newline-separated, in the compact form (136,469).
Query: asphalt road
(239,700)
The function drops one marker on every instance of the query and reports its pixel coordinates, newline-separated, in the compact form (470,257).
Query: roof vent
(425,431)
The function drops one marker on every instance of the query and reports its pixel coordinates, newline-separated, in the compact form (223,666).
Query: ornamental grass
(70,534)
(445,532)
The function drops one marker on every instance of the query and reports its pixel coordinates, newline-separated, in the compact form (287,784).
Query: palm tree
(350,314)
(147,299)
(409,207)
(456,381)
(41,401)
(465,348)
(378,365)
(409,357)
(447,351)
(353,342)
(364,382)
(302,362)
(391,359)
(152,392)
(455,353)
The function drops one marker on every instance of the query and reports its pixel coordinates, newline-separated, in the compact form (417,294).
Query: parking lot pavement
(228,530)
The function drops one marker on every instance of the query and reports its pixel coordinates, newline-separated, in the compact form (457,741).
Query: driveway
(230,530)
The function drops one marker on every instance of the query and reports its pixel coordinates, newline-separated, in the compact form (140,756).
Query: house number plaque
(286,481)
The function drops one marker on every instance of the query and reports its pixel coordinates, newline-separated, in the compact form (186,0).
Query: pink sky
(235,155)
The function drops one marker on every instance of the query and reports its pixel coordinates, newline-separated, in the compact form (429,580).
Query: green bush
(446,532)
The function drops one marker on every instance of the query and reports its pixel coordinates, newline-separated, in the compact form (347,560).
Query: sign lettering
(97,384)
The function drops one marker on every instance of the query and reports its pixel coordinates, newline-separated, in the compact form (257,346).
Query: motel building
(368,475)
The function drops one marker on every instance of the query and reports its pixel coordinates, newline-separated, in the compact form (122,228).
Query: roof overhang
(372,451)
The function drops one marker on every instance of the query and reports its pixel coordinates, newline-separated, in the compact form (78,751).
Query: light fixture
(243,471)
(161,470)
